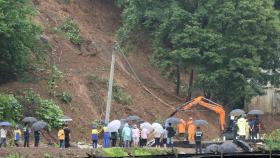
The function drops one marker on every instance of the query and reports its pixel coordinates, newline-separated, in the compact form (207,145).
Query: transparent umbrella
(157,127)
(114,125)
(147,126)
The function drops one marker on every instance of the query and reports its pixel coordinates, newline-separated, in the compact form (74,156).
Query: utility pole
(110,88)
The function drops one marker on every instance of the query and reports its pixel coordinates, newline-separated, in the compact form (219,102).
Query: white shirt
(3,133)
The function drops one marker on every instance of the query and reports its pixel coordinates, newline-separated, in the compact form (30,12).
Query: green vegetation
(272,140)
(115,152)
(72,31)
(19,38)
(14,156)
(225,44)
(45,109)
(54,79)
(10,108)
(119,95)
(50,113)
(65,97)
(121,152)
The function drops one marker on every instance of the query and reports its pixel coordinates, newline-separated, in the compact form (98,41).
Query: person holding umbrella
(26,134)
(37,138)
(170,134)
(67,136)
(3,137)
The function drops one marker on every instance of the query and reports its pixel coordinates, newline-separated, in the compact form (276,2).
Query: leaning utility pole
(110,88)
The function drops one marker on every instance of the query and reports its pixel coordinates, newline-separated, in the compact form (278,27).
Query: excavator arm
(207,104)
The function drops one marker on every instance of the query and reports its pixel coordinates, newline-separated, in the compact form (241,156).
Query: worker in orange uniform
(191,130)
(182,129)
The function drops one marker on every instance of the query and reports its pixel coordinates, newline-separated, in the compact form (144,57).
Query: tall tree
(232,46)
(19,37)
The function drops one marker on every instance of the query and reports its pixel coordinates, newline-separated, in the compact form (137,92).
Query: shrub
(272,140)
(120,96)
(10,109)
(65,97)
(50,113)
(72,31)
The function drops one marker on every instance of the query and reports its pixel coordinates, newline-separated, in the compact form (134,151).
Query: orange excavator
(202,101)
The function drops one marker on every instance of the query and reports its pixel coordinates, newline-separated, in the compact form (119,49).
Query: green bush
(272,140)
(65,97)
(50,113)
(14,156)
(10,109)
(72,31)
(114,152)
(120,96)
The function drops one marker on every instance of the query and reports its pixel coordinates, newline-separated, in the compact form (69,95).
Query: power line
(135,76)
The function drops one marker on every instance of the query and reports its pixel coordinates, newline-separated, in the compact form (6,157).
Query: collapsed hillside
(98,21)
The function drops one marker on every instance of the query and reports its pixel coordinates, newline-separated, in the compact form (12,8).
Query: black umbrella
(29,120)
(227,147)
(237,112)
(133,118)
(172,120)
(200,122)
(39,125)
(255,112)
(212,149)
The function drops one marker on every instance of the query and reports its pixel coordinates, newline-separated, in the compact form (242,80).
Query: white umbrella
(65,119)
(157,127)
(147,126)
(114,125)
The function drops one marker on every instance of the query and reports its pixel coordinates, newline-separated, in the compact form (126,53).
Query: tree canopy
(232,46)
(19,37)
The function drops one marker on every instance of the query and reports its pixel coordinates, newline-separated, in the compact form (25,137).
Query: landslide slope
(98,21)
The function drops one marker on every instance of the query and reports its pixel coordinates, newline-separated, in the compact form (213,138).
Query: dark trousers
(143,142)
(67,142)
(198,147)
(114,142)
(37,140)
(94,143)
(16,143)
(3,142)
(26,142)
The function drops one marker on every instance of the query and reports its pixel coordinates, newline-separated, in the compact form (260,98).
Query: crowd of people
(25,134)
(245,129)
(131,135)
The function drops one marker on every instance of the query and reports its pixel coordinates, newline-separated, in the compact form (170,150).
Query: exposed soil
(98,21)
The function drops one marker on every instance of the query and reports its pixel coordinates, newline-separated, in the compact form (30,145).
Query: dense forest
(230,47)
